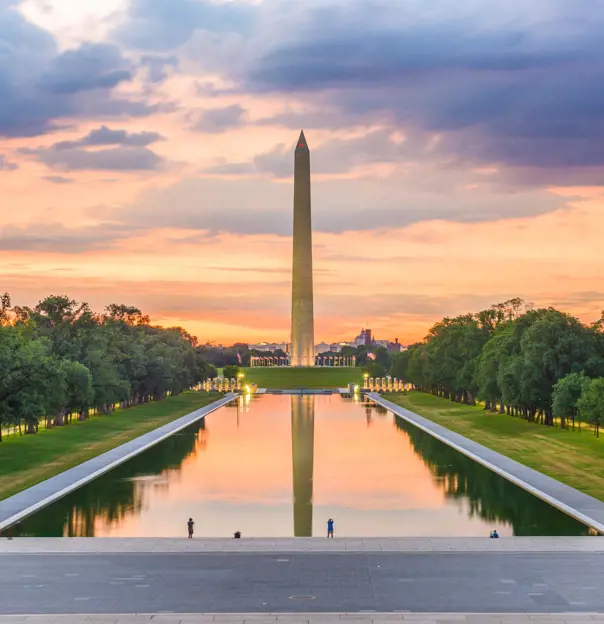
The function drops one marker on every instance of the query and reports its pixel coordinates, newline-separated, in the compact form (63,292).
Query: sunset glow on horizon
(146,158)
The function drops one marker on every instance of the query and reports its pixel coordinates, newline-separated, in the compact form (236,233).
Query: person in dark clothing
(190,525)
(330,528)
(237,535)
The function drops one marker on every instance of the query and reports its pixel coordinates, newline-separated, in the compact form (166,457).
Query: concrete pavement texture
(308,618)
(257,583)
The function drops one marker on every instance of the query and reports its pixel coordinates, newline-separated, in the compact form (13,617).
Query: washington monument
(303,333)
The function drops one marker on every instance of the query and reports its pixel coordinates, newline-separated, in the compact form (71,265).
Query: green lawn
(573,457)
(315,377)
(27,460)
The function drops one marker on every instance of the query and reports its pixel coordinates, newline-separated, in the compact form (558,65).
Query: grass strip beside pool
(572,457)
(27,460)
(281,377)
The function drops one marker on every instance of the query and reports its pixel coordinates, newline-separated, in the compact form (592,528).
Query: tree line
(542,365)
(60,359)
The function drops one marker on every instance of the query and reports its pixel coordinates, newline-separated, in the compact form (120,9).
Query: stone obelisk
(303,334)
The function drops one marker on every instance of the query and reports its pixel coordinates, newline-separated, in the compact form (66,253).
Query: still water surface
(278,466)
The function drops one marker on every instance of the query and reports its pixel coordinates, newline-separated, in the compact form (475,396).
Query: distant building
(395,347)
(270,346)
(364,338)
(381,343)
(335,347)
(322,347)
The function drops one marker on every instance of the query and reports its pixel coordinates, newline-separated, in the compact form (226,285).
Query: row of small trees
(535,364)
(60,359)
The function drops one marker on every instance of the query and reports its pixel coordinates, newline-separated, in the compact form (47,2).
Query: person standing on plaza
(330,528)
(190,525)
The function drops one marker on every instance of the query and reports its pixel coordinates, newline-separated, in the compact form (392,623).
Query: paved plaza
(301,582)
(309,618)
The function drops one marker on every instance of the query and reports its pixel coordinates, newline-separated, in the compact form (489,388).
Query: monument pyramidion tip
(302,144)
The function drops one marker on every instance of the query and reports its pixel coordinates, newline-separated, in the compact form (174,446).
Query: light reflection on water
(277,466)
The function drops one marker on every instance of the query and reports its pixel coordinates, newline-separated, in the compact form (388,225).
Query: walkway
(27,502)
(302,582)
(584,508)
(310,618)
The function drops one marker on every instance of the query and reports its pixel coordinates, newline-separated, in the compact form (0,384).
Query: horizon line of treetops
(60,359)
(536,364)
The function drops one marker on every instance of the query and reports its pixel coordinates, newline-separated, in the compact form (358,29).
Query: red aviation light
(301,145)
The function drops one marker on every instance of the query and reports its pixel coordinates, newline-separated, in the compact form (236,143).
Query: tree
(5,315)
(552,347)
(383,357)
(508,354)
(591,403)
(566,394)
(230,371)
(59,358)
(29,379)
(400,364)
(375,370)
(79,393)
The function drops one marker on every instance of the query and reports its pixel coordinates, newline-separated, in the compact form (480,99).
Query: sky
(457,150)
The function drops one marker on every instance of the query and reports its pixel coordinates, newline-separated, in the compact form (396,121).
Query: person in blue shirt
(494,534)
(330,528)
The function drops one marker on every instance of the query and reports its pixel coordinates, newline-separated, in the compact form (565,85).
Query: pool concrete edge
(540,485)
(301,545)
(29,501)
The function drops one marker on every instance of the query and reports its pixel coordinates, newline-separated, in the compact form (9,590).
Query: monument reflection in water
(303,451)
(277,466)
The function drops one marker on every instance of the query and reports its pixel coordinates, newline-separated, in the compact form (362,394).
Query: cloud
(255,206)
(520,87)
(41,86)
(216,120)
(112,159)
(105,136)
(5,165)
(124,151)
(158,67)
(91,66)
(160,26)
(56,238)
(337,155)
(58,180)
(320,117)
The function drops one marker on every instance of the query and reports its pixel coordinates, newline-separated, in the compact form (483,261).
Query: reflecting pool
(280,465)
